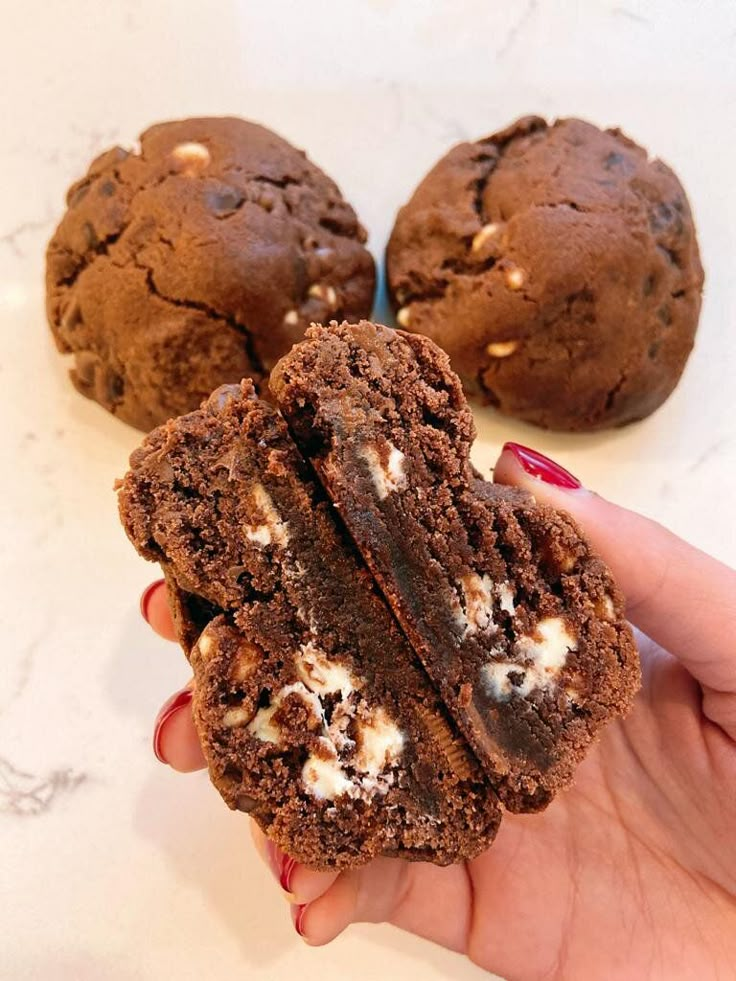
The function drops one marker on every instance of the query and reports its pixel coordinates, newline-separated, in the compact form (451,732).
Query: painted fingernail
(182,699)
(297,917)
(146,597)
(538,465)
(282,865)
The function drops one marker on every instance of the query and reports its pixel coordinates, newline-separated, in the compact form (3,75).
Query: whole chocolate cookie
(197,260)
(518,623)
(314,713)
(558,267)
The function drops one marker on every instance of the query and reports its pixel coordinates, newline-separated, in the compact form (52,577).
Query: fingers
(679,596)
(175,739)
(300,885)
(155,610)
(370,894)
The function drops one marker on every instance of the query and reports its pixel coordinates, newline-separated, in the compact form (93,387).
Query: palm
(563,893)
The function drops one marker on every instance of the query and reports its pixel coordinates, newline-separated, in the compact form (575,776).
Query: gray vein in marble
(631,15)
(516,29)
(97,140)
(25,662)
(25,667)
(10,238)
(708,452)
(24,794)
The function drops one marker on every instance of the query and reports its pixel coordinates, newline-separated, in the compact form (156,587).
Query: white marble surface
(113,866)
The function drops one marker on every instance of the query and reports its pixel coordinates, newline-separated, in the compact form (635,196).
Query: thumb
(682,598)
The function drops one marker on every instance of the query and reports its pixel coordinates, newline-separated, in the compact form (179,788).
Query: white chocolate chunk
(236,717)
(381,743)
(495,676)
(321,675)
(549,653)
(325,778)
(609,611)
(515,278)
(478,602)
(291,318)
(541,658)
(205,644)
(501,349)
(403,317)
(506,598)
(387,476)
(264,728)
(487,232)
(326,293)
(273,529)
(337,731)
(193,157)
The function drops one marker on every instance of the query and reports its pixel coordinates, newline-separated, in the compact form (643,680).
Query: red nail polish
(542,467)
(297,917)
(177,702)
(282,865)
(146,597)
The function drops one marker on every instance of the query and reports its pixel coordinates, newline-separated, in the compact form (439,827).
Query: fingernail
(182,699)
(297,917)
(540,466)
(281,864)
(146,597)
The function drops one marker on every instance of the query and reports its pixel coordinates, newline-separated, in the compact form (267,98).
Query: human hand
(631,872)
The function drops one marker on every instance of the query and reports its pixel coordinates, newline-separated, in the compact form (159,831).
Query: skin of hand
(629,873)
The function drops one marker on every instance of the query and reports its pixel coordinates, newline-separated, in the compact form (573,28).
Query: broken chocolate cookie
(314,713)
(516,620)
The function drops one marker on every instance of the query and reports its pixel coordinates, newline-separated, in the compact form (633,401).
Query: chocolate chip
(77,194)
(223,200)
(72,316)
(90,235)
(648,285)
(107,189)
(85,369)
(613,160)
(245,803)
(665,315)
(114,386)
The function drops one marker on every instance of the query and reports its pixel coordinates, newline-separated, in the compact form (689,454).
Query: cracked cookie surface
(314,713)
(195,261)
(518,623)
(558,267)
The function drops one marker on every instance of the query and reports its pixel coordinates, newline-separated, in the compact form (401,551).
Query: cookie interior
(517,622)
(315,715)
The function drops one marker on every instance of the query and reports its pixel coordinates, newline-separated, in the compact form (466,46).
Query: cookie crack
(86,259)
(101,247)
(613,392)
(228,319)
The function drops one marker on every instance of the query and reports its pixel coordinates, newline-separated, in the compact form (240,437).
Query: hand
(630,873)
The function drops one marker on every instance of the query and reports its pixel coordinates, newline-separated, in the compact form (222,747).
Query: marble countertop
(113,866)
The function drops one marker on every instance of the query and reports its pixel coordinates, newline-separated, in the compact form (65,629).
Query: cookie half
(518,623)
(315,714)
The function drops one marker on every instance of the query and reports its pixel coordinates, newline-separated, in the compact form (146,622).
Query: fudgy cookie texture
(314,713)
(197,260)
(518,623)
(558,267)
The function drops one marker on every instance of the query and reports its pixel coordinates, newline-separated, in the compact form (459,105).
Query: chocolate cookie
(558,267)
(518,623)
(314,713)
(198,259)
